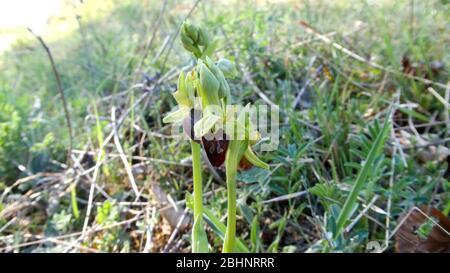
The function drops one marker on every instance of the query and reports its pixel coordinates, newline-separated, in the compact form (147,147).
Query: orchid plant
(210,120)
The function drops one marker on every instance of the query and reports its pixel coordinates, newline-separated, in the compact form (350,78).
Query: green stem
(236,149)
(197,175)
(230,234)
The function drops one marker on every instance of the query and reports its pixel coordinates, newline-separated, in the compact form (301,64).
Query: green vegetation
(362,88)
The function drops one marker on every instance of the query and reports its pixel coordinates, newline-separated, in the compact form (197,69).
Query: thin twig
(285,197)
(91,193)
(61,92)
(439,97)
(148,45)
(122,155)
(175,232)
(266,99)
(362,213)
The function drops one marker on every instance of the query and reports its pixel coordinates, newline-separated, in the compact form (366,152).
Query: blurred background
(335,68)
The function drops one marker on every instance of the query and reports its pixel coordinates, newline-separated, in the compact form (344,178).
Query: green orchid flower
(225,132)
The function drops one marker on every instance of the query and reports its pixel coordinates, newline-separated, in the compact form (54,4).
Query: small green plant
(225,131)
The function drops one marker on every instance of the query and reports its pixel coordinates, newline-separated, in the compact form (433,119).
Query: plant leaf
(350,203)
(219,228)
(199,238)
(205,124)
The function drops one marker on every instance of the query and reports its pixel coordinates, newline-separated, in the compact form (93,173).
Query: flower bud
(191,31)
(187,42)
(224,89)
(209,86)
(203,37)
(227,67)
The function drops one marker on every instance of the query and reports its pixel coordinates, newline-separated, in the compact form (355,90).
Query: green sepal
(178,115)
(254,159)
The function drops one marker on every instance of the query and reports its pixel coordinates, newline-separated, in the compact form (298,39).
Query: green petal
(189,86)
(205,124)
(254,159)
(177,115)
(181,82)
(182,98)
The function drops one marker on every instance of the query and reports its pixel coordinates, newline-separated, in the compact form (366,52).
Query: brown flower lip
(215,146)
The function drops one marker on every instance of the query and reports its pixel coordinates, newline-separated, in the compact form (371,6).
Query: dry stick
(89,178)
(439,97)
(91,193)
(413,129)
(389,201)
(392,176)
(5,226)
(100,162)
(19,182)
(361,214)
(122,93)
(175,232)
(96,229)
(155,31)
(60,90)
(143,158)
(149,228)
(446,113)
(307,82)
(264,97)
(285,197)
(357,57)
(429,124)
(122,154)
